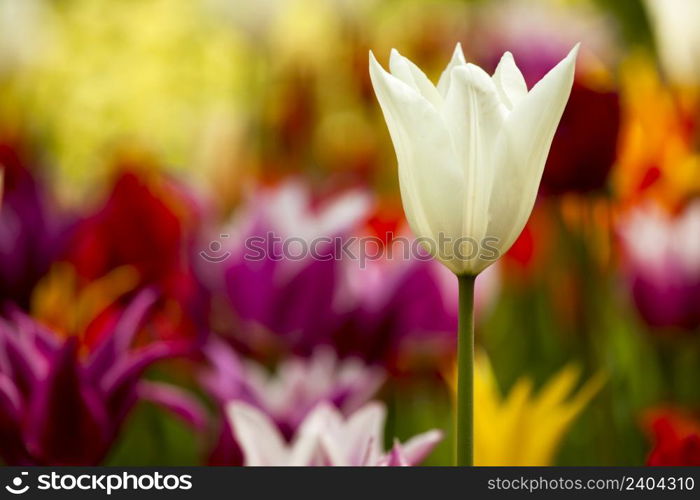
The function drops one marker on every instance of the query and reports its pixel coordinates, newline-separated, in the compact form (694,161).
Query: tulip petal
(120,382)
(308,307)
(68,423)
(509,81)
(416,449)
(107,353)
(343,213)
(429,178)
(225,378)
(35,335)
(446,77)
(257,435)
(367,422)
(403,69)
(475,116)
(527,136)
(361,385)
(10,400)
(316,442)
(250,288)
(176,400)
(21,364)
(396,457)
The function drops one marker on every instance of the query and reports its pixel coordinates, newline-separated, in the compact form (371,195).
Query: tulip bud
(470,150)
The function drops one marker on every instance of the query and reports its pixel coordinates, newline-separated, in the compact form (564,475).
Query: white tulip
(470,150)
(325,437)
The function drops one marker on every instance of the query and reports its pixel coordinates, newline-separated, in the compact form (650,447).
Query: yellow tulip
(525,427)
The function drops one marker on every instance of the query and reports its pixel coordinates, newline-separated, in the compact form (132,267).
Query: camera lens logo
(16,488)
(214,253)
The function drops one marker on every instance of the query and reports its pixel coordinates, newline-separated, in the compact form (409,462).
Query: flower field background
(144,145)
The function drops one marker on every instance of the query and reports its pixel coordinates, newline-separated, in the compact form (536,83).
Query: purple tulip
(279,302)
(399,312)
(31,233)
(663,265)
(61,406)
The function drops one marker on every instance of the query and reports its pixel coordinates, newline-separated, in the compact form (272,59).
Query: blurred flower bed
(144,144)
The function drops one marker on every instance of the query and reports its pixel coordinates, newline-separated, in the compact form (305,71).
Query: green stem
(465,373)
